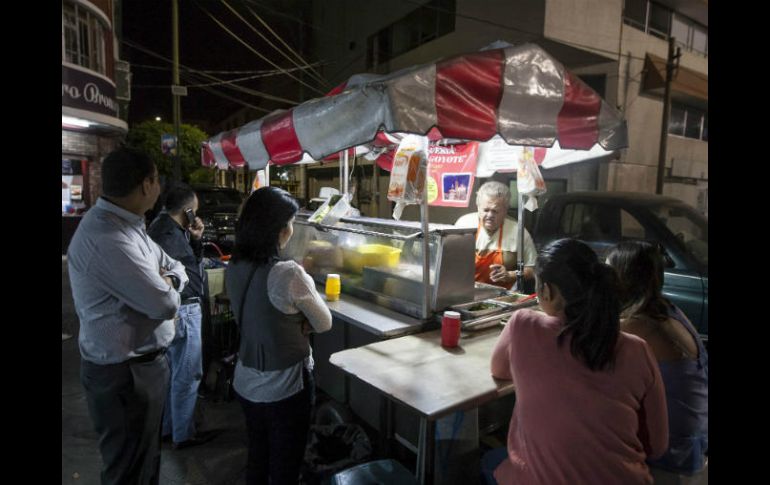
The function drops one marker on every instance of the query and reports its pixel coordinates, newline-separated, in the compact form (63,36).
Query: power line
(317,77)
(254,50)
(209,76)
(230,98)
(235,87)
(296,54)
(256,72)
(326,32)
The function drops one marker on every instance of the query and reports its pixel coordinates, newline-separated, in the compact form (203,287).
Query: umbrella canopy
(520,93)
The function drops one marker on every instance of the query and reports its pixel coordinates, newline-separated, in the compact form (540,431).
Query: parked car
(602,219)
(218,208)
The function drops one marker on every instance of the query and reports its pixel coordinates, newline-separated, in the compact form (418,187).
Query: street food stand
(520,95)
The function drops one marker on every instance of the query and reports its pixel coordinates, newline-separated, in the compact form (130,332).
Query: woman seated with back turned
(272,300)
(590,405)
(680,353)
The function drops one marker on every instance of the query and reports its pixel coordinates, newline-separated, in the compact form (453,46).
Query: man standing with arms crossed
(126,294)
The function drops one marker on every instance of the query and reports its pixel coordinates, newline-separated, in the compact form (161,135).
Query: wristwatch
(174,281)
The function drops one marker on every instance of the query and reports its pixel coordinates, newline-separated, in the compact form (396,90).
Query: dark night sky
(202,45)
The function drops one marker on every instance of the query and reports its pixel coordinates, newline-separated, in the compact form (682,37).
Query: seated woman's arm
(501,362)
(653,414)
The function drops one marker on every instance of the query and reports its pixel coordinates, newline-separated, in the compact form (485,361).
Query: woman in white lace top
(276,305)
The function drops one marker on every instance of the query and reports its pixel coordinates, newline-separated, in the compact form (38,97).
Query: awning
(520,93)
(685,81)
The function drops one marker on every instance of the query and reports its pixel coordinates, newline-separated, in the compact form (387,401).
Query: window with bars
(688,122)
(429,22)
(660,21)
(690,35)
(83,38)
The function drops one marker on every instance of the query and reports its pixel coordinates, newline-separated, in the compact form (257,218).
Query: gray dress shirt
(125,307)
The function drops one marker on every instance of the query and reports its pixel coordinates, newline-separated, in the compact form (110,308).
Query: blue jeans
(489,463)
(184,359)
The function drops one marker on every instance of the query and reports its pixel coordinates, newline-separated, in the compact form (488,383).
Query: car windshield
(689,227)
(218,198)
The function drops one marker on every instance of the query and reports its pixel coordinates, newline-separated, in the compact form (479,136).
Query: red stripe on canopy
(468,92)
(207,156)
(231,150)
(280,139)
(337,89)
(385,161)
(578,121)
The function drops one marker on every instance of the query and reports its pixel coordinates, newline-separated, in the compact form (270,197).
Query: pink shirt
(571,425)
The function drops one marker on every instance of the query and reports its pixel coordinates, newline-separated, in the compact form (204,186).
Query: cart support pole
(426,304)
(346,182)
(342,175)
(520,246)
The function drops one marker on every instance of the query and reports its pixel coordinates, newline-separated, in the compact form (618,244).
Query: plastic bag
(332,448)
(407,179)
(529,181)
(336,207)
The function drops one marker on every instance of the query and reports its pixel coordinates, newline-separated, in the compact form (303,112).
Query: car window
(630,228)
(590,222)
(218,198)
(689,227)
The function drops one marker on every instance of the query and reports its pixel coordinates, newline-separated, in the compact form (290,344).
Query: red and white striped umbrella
(520,93)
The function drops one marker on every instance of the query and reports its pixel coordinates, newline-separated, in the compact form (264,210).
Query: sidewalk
(221,461)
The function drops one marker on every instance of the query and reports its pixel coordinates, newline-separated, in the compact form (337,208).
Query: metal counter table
(356,323)
(377,320)
(417,372)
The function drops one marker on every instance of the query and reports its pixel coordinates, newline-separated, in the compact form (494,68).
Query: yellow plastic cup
(332,287)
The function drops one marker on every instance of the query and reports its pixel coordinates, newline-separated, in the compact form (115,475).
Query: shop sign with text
(85,91)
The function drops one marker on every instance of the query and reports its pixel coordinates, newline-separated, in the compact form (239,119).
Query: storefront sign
(87,92)
(451,173)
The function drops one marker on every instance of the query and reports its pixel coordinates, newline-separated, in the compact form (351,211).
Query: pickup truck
(602,219)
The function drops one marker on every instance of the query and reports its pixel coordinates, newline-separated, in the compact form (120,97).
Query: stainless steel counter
(434,382)
(381,322)
(418,372)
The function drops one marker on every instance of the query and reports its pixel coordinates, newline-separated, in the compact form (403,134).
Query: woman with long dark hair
(590,405)
(275,304)
(679,350)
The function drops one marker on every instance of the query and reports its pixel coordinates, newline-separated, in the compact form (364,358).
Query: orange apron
(493,257)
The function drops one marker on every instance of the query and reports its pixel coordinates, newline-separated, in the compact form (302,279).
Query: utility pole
(175,91)
(670,66)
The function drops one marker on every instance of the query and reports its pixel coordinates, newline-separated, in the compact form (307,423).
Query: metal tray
(494,308)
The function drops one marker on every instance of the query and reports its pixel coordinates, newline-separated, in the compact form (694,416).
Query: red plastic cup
(450,329)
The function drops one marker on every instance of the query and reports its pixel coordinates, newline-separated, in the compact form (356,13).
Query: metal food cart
(520,94)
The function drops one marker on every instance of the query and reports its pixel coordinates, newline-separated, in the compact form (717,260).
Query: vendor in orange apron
(485,259)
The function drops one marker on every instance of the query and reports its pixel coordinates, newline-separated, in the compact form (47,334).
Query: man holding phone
(178,231)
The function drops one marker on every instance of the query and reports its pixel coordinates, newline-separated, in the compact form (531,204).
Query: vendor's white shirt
(291,290)
(510,241)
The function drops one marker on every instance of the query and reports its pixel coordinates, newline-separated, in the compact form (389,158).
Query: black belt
(191,300)
(149,357)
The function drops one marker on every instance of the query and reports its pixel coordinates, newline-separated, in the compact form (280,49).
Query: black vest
(270,339)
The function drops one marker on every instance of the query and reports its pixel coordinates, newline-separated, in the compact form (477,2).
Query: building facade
(95,95)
